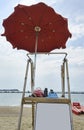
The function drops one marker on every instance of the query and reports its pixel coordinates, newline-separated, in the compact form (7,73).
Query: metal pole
(64,76)
(37,30)
(34,66)
(32,78)
(24,87)
(63,79)
(71,117)
(68,83)
(33,70)
(32,89)
(64,53)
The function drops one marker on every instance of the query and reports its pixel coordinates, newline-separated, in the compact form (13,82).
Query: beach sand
(9,119)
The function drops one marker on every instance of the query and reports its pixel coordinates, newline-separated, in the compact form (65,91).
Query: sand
(9,119)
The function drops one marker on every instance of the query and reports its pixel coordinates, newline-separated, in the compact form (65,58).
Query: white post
(63,79)
(68,83)
(32,77)
(24,88)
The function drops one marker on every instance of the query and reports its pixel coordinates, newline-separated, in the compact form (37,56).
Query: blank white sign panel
(52,117)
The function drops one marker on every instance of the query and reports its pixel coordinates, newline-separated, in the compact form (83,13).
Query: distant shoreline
(72,92)
(18,91)
(12,91)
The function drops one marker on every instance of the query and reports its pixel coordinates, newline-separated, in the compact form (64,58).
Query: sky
(48,68)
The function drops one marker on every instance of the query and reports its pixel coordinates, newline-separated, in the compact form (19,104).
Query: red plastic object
(77,108)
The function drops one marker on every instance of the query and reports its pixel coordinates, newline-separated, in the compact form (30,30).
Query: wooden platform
(30,100)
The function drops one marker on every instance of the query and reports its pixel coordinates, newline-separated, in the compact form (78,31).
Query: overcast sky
(13,61)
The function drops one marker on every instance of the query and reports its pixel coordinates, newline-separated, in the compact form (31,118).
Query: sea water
(14,99)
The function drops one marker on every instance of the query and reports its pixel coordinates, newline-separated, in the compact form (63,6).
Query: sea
(14,99)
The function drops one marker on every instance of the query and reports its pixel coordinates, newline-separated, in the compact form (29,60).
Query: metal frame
(33,101)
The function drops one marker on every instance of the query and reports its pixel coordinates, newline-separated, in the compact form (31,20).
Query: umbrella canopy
(36,23)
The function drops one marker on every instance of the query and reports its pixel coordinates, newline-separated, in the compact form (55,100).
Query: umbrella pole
(34,67)
(34,70)
(37,30)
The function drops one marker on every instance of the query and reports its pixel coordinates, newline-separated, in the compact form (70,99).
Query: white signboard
(52,116)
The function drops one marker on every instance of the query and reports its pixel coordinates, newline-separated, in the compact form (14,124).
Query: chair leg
(20,117)
(24,88)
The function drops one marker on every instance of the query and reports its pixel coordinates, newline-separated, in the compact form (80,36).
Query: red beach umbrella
(36,28)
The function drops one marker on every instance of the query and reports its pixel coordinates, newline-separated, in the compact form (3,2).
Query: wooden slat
(31,100)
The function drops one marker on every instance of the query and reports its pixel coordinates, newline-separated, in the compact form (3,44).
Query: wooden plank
(30,100)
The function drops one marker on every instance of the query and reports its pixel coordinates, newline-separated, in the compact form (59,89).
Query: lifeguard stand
(49,113)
